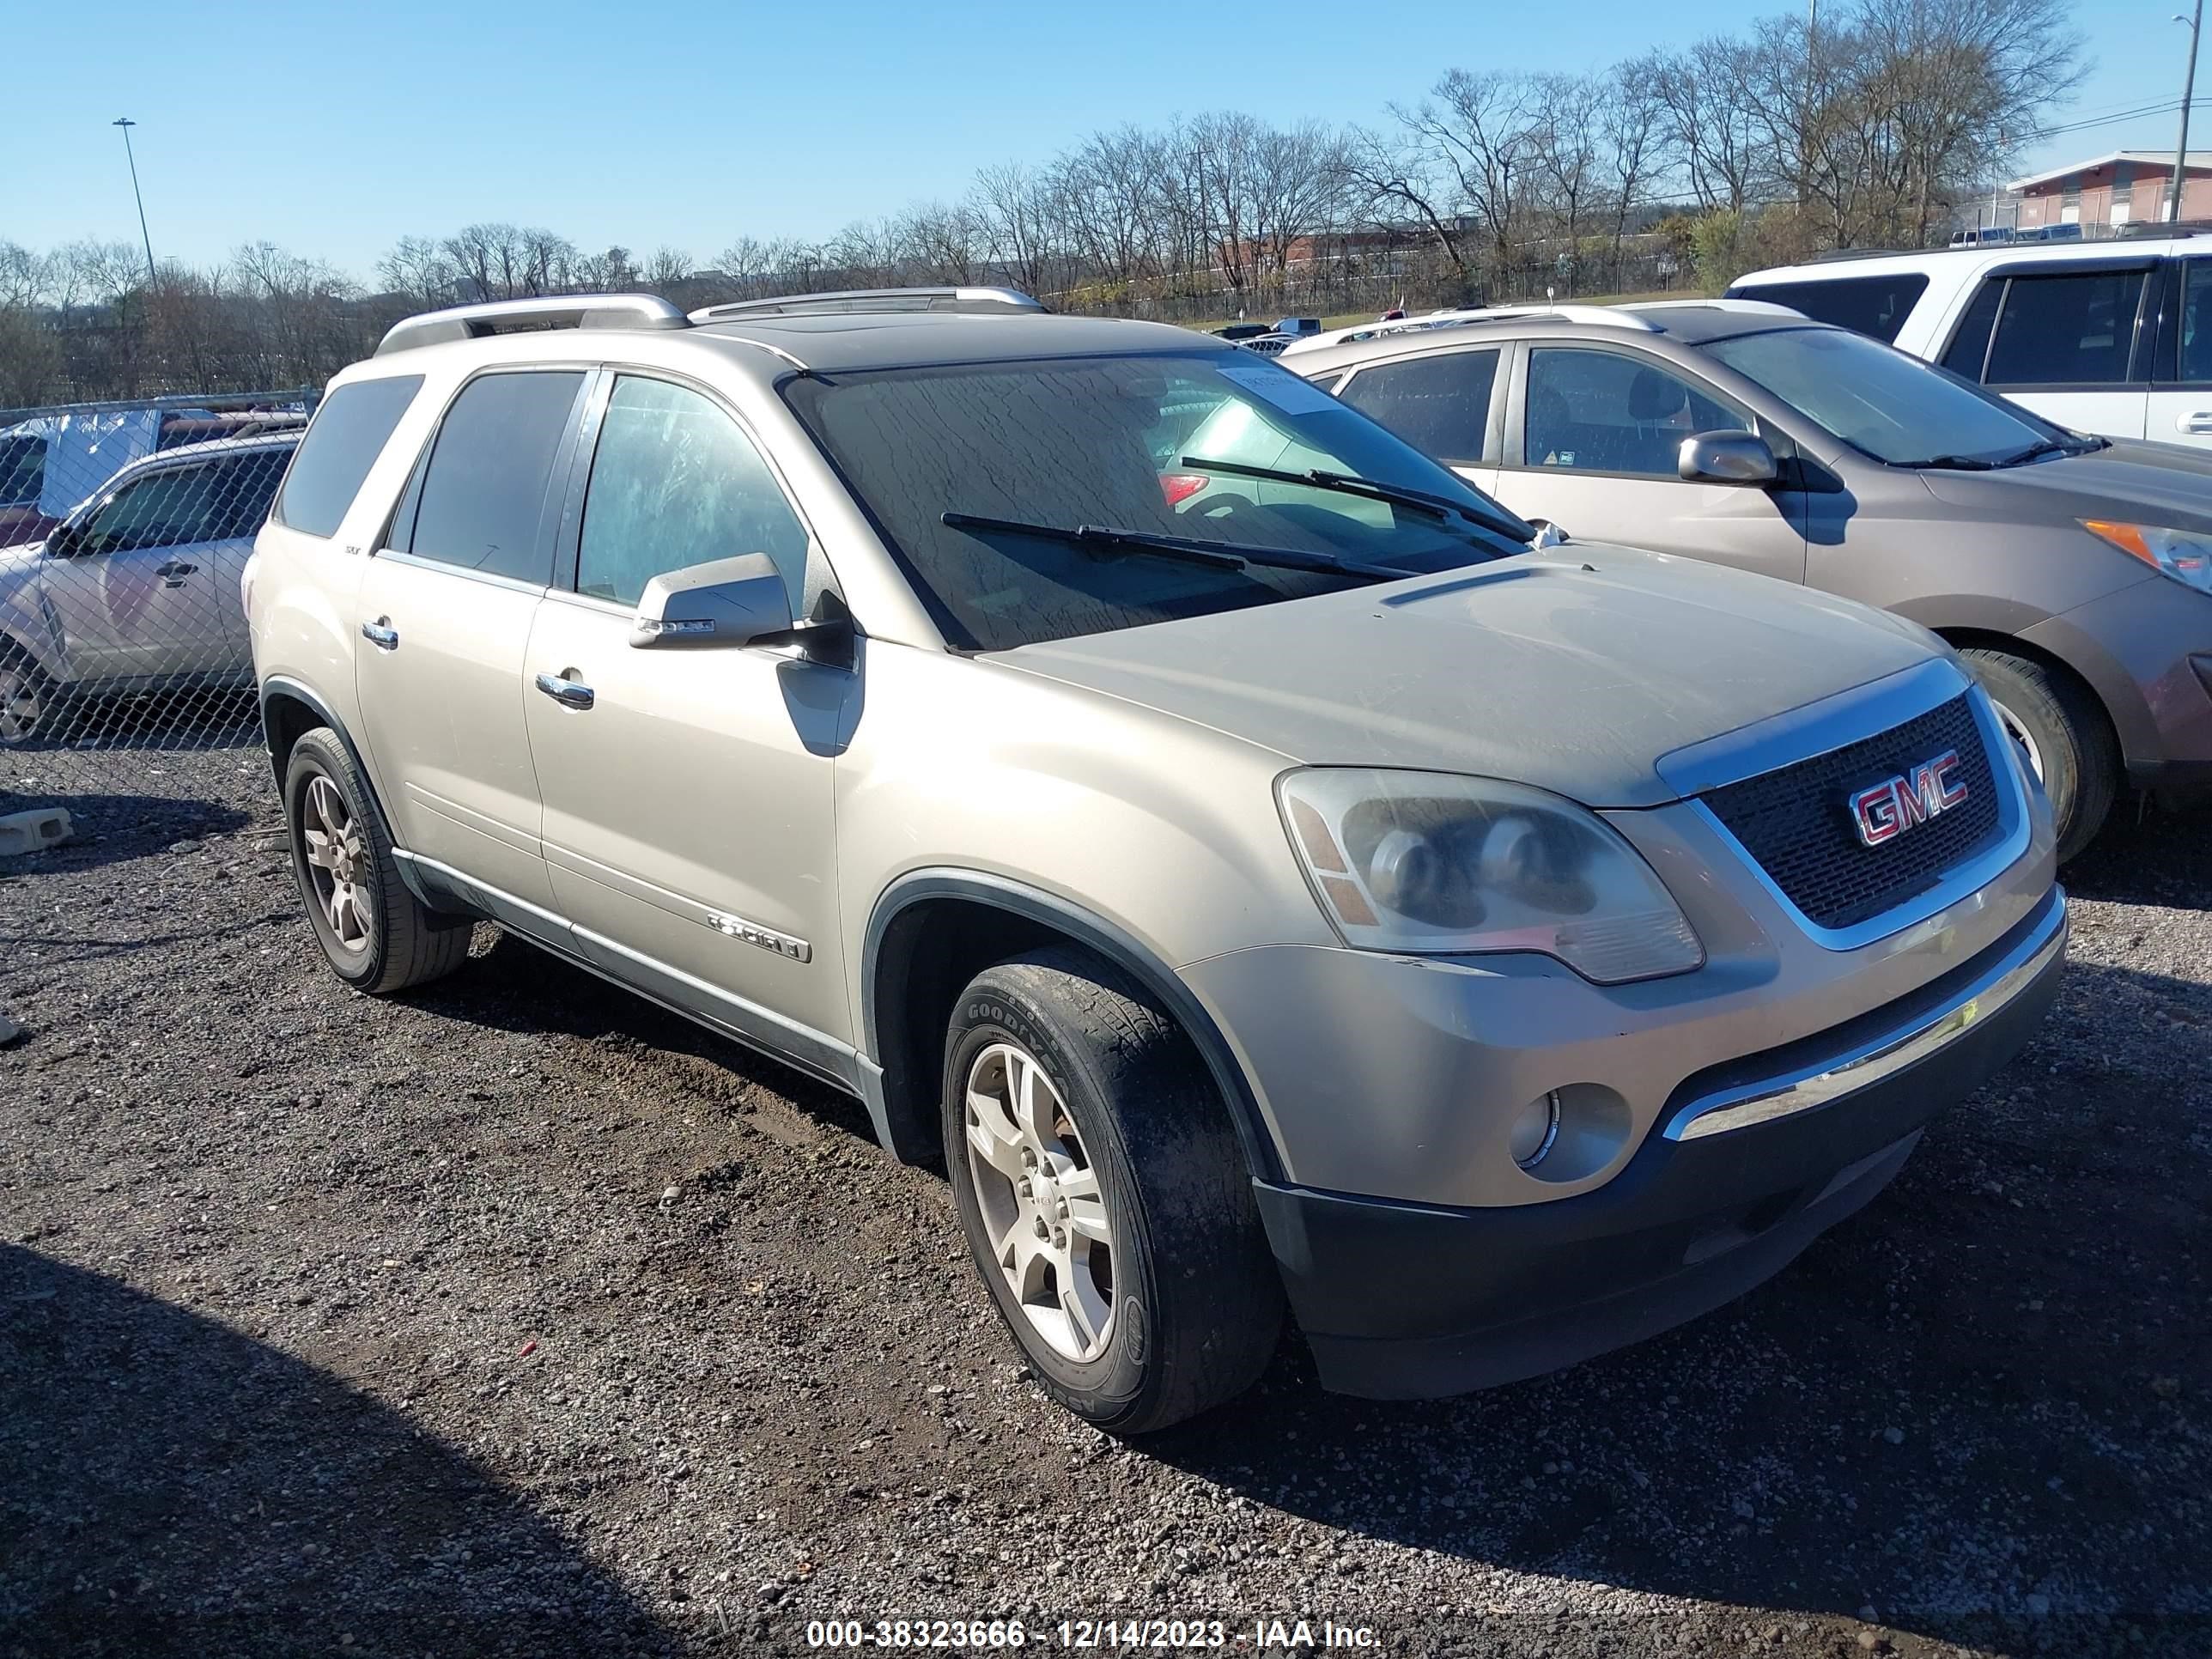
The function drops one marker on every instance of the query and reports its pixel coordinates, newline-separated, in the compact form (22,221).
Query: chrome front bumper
(1869,1063)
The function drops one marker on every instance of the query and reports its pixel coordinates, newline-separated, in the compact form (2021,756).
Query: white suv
(2112,338)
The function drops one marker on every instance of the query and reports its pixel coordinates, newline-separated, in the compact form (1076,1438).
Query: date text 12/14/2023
(1253,1635)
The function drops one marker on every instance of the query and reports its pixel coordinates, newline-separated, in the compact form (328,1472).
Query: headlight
(1425,862)
(2183,554)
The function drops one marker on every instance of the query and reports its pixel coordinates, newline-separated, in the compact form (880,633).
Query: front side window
(2074,329)
(1875,306)
(1879,401)
(2195,340)
(343,442)
(1439,404)
(676,483)
(162,511)
(482,501)
(1163,446)
(1605,411)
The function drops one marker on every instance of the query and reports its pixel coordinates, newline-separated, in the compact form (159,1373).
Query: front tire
(2061,733)
(376,935)
(1103,1194)
(26,703)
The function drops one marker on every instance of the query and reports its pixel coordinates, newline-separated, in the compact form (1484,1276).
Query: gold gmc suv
(1263,870)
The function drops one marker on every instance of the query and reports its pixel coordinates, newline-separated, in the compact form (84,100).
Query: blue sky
(333,129)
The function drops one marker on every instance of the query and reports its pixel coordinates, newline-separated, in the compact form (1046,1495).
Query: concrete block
(33,831)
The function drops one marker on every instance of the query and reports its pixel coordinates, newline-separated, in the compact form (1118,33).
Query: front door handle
(381,633)
(568,693)
(173,572)
(2197,422)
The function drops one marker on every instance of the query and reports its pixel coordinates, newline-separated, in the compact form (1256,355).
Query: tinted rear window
(2075,329)
(1438,404)
(347,435)
(23,469)
(483,495)
(1871,305)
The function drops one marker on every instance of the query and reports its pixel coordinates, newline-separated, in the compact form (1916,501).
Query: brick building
(2124,187)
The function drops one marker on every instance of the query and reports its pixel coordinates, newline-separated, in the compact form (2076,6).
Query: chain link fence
(124,530)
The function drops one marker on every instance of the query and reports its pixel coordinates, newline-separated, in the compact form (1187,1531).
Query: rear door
(1449,405)
(2070,340)
(1592,437)
(444,612)
(244,485)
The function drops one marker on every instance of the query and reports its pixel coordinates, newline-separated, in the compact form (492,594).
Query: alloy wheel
(1042,1204)
(20,706)
(2022,738)
(338,864)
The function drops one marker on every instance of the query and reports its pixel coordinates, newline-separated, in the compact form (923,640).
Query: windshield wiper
(2042,446)
(1100,539)
(1421,501)
(1949,463)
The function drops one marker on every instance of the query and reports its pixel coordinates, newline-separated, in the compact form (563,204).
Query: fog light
(1535,1131)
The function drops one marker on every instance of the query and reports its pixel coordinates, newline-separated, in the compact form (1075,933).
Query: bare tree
(1477,131)
(1013,209)
(417,268)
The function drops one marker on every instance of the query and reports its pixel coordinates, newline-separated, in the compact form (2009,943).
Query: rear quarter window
(347,433)
(1871,305)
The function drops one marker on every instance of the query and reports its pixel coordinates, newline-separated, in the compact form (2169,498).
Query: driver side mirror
(65,542)
(725,602)
(1727,458)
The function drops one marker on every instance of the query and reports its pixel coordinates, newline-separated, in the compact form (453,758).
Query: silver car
(1310,894)
(136,590)
(2073,573)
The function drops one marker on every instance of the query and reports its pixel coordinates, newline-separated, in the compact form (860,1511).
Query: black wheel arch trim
(279,685)
(1086,928)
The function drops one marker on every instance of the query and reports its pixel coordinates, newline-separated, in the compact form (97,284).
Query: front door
(1595,452)
(146,586)
(443,619)
(688,821)
(2179,410)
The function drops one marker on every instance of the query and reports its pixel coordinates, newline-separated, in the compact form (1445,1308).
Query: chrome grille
(1796,822)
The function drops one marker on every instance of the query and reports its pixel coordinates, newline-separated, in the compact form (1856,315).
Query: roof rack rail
(1754,307)
(979,299)
(1831,255)
(1427,322)
(552,311)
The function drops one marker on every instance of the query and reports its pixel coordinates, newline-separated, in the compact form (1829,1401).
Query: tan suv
(1505,951)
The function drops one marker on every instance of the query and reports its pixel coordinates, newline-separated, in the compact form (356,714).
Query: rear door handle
(380,634)
(2197,422)
(176,570)
(568,693)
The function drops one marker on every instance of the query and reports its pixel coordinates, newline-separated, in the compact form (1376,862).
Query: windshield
(1892,407)
(1012,450)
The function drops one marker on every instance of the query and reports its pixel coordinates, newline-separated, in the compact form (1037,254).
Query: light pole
(2196,21)
(127,124)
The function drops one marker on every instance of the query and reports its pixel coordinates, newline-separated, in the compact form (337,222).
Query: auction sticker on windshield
(1284,389)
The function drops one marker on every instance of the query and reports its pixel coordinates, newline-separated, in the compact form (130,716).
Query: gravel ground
(517,1317)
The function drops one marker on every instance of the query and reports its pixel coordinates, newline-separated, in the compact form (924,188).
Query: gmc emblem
(1886,810)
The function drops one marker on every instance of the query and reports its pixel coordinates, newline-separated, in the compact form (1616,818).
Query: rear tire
(1080,1124)
(2063,734)
(376,935)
